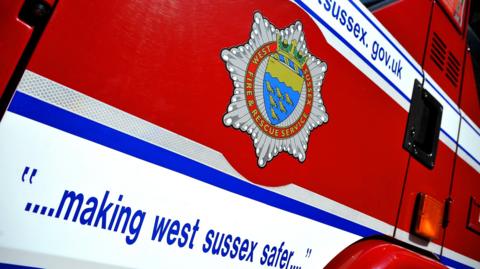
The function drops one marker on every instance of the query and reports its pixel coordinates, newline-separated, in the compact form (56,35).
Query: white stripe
(469,140)
(460,258)
(35,259)
(366,70)
(321,202)
(418,242)
(450,118)
(447,141)
(472,125)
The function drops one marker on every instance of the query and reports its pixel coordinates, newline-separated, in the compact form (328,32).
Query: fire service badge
(276,96)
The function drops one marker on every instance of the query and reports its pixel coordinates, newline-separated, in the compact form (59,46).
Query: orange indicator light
(429,217)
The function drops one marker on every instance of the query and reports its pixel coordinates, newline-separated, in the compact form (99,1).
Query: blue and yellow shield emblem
(282,86)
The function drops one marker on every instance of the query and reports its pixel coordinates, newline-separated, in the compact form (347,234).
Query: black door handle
(423,126)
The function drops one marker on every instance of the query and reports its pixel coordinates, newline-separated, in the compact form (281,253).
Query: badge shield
(283,83)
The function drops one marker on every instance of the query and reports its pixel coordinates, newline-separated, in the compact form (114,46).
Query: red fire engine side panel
(14,35)
(392,14)
(470,97)
(445,52)
(465,182)
(458,236)
(162,61)
(435,182)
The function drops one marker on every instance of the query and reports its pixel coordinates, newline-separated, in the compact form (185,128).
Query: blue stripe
(453,263)
(460,146)
(454,108)
(449,136)
(458,112)
(468,153)
(471,126)
(443,97)
(383,34)
(12,266)
(313,14)
(56,117)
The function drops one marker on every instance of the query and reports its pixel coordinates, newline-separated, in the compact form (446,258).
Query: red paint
(456,10)
(474,215)
(434,182)
(380,254)
(470,95)
(455,46)
(466,183)
(411,33)
(458,237)
(14,36)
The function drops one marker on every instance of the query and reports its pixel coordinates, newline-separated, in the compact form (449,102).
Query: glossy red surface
(458,237)
(14,36)
(434,182)
(380,254)
(470,94)
(466,181)
(455,44)
(392,16)
(473,222)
